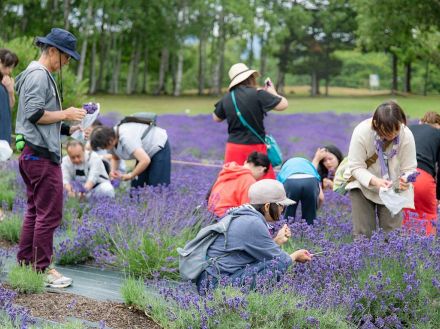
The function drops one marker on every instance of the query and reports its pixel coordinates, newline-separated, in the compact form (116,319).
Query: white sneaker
(55,279)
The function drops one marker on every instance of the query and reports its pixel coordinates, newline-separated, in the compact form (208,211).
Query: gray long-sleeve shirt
(247,242)
(37,92)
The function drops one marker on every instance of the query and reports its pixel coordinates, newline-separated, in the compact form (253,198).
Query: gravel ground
(60,307)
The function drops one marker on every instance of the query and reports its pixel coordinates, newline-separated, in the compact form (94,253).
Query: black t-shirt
(427,140)
(253,105)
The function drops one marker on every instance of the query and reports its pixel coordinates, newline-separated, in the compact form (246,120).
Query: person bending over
(233,182)
(152,152)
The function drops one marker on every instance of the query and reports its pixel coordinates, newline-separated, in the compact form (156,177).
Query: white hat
(240,72)
(268,191)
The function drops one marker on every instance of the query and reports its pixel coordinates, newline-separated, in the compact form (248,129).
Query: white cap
(268,191)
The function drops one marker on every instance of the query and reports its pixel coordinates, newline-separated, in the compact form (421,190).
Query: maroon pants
(44,189)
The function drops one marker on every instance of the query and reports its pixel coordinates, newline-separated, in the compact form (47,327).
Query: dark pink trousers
(44,189)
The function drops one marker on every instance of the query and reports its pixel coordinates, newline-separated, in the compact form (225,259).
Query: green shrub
(7,188)
(25,279)
(155,255)
(273,310)
(133,292)
(10,227)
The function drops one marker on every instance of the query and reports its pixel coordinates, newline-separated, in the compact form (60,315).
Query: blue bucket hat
(62,40)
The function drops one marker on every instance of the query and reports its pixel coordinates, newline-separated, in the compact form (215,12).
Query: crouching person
(246,252)
(87,169)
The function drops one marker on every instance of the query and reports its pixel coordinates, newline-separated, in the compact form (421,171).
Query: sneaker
(55,279)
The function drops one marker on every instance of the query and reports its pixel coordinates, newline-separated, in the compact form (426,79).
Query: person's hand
(74,114)
(320,154)
(327,184)
(114,174)
(301,256)
(74,128)
(269,87)
(71,194)
(9,83)
(379,182)
(87,132)
(403,184)
(283,235)
(128,176)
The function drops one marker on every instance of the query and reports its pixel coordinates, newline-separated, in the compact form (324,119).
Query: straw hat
(238,73)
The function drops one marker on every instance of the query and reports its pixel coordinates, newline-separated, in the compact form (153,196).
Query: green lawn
(414,106)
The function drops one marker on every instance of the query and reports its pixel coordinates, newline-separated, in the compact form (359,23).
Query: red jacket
(230,189)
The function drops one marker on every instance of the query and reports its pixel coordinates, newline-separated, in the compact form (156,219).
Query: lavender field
(391,282)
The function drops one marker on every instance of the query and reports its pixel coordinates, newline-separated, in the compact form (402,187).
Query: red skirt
(425,201)
(239,153)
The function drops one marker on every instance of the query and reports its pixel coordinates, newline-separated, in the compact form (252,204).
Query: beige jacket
(362,147)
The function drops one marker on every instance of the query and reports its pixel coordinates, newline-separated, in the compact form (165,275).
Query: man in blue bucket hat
(39,125)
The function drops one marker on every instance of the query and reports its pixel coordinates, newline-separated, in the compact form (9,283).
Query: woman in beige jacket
(382,153)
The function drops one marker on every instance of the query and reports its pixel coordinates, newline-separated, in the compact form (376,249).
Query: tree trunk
(179,73)
(164,59)
(202,64)
(426,79)
(92,87)
(66,14)
(220,51)
(282,66)
(102,54)
(82,61)
(251,50)
(129,86)
(327,82)
(145,73)
(314,88)
(394,74)
(114,85)
(407,86)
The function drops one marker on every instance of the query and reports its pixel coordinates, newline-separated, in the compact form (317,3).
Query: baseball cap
(268,191)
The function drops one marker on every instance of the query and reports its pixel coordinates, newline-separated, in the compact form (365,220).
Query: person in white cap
(249,251)
(253,104)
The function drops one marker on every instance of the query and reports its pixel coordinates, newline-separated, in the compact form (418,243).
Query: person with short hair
(104,154)
(233,182)
(152,153)
(87,169)
(387,136)
(427,184)
(249,251)
(254,104)
(40,119)
(8,61)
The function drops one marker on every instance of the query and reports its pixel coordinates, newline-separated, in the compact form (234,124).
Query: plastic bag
(392,200)
(5,150)
(86,123)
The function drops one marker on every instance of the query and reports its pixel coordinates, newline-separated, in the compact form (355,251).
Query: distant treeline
(173,46)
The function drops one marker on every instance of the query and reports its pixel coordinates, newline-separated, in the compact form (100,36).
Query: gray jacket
(37,92)
(248,243)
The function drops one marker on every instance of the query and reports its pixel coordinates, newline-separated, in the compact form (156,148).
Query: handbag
(273,150)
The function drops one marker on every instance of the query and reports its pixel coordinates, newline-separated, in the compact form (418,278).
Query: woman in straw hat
(253,103)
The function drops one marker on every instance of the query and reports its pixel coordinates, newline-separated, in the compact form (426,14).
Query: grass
(341,100)
(273,310)
(24,279)
(10,227)
(7,323)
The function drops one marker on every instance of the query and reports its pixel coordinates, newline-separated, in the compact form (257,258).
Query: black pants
(159,170)
(306,191)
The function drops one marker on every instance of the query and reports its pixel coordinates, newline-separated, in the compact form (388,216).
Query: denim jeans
(159,170)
